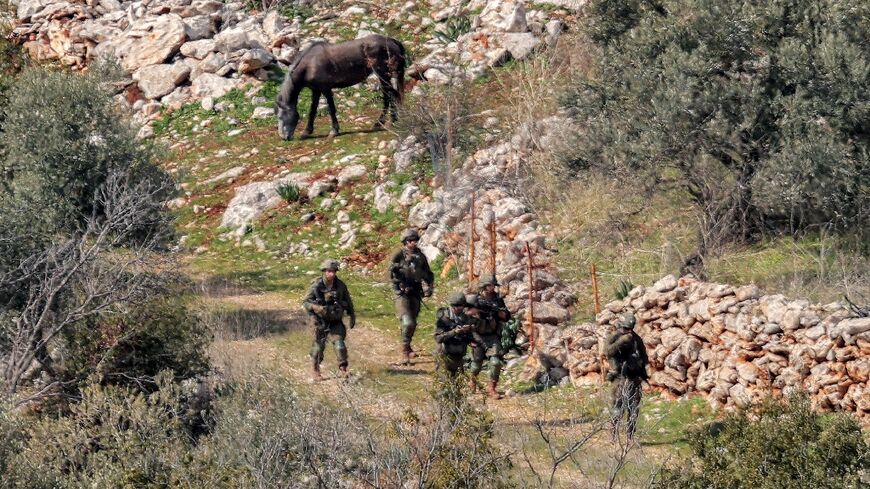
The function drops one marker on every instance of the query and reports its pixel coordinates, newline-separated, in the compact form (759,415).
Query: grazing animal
(323,66)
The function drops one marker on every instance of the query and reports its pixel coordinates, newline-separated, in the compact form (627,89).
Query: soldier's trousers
(627,393)
(407,310)
(488,351)
(335,332)
(451,363)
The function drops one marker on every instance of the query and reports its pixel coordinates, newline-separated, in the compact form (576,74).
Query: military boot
(491,390)
(406,354)
(343,370)
(315,372)
(472,384)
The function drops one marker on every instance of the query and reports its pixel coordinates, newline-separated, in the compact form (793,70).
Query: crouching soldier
(490,308)
(628,359)
(327,302)
(453,333)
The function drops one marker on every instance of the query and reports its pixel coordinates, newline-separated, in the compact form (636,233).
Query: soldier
(487,344)
(453,333)
(627,356)
(327,301)
(412,280)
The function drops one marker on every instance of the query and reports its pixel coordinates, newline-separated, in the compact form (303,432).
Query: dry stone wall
(731,345)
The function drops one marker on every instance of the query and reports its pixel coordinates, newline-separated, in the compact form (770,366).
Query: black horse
(322,67)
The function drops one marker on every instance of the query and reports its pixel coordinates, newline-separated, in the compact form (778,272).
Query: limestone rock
(155,81)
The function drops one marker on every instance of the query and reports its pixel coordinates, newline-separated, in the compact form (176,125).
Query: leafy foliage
(452,29)
(623,289)
(784,444)
(288,192)
(757,110)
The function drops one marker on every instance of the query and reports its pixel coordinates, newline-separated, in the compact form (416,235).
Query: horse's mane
(287,86)
(302,54)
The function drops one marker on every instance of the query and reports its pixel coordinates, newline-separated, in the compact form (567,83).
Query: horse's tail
(400,73)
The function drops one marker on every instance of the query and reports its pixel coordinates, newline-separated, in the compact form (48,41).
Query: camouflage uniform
(452,334)
(487,344)
(412,280)
(627,356)
(326,304)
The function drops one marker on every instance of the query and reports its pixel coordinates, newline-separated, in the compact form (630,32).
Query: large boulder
(198,49)
(155,81)
(151,41)
(211,85)
(254,60)
(199,27)
(520,45)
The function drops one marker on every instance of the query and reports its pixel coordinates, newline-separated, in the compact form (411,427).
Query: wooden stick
(532,331)
(471,238)
(492,246)
(595,290)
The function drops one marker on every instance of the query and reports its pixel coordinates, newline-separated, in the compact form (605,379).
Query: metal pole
(532,331)
(595,290)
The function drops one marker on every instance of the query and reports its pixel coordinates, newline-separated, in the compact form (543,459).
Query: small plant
(453,29)
(623,289)
(289,192)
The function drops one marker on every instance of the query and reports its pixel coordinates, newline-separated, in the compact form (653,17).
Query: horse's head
(288,118)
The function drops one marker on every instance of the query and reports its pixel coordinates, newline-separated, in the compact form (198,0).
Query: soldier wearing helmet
(487,345)
(628,359)
(453,329)
(328,300)
(412,280)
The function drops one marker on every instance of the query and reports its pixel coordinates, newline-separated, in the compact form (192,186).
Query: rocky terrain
(731,345)
(180,51)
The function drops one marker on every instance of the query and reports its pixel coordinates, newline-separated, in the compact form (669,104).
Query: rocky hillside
(202,75)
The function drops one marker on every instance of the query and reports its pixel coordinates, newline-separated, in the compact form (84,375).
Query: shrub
(452,29)
(783,444)
(755,110)
(289,192)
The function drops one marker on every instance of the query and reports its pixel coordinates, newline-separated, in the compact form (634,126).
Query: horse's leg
(384,79)
(315,99)
(332,114)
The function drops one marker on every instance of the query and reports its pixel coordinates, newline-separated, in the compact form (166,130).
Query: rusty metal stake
(471,238)
(532,332)
(492,246)
(595,290)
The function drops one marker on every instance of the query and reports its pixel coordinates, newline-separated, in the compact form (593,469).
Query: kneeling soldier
(327,301)
(628,359)
(453,333)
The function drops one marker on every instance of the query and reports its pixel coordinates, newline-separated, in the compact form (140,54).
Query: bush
(452,29)
(784,444)
(288,192)
(755,110)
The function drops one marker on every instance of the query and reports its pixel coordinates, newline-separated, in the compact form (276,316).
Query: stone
(254,59)
(516,21)
(263,113)
(211,85)
(665,284)
(382,197)
(408,196)
(199,27)
(212,63)
(351,174)
(155,81)
(198,49)
(236,39)
(273,24)
(251,200)
(520,45)
(320,187)
(151,41)
(233,172)
(550,313)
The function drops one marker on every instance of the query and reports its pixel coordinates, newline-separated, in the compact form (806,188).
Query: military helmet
(471,300)
(627,321)
(329,265)
(457,299)
(410,234)
(488,280)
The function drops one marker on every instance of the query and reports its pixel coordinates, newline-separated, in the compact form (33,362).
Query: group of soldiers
(477,321)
